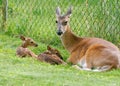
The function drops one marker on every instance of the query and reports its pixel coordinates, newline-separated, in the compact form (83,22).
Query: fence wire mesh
(0,14)
(36,18)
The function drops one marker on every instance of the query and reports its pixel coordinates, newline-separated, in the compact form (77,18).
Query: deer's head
(62,20)
(53,51)
(28,41)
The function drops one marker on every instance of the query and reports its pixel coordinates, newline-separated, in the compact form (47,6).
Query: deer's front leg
(73,59)
(31,54)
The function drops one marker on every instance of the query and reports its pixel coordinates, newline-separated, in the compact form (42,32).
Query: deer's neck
(70,40)
(24,45)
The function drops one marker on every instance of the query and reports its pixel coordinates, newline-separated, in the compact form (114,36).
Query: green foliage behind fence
(36,18)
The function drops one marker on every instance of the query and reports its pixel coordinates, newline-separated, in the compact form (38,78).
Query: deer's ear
(58,12)
(48,47)
(69,12)
(22,37)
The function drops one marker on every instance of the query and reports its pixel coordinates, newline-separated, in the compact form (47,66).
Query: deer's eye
(56,52)
(64,23)
(56,21)
(31,42)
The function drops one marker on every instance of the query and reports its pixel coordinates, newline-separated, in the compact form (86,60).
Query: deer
(51,56)
(23,51)
(86,53)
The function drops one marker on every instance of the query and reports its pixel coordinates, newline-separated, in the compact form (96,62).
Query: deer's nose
(36,45)
(59,32)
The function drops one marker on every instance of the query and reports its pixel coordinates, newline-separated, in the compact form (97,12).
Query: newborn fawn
(51,56)
(23,51)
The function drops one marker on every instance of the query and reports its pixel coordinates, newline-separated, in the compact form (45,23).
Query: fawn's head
(54,51)
(28,42)
(62,20)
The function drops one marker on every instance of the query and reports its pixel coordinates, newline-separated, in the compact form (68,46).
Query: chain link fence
(36,18)
(0,14)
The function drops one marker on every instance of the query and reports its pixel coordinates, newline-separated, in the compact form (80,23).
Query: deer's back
(87,42)
(22,52)
(49,58)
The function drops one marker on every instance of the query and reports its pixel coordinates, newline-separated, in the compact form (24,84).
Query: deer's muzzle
(59,33)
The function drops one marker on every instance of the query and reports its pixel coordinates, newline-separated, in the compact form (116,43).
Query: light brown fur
(88,53)
(23,51)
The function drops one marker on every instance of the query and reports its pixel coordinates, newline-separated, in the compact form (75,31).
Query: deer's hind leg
(101,59)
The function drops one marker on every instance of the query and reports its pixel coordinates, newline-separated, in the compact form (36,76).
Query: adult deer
(92,54)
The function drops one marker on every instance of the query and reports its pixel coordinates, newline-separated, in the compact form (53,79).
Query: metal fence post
(4,13)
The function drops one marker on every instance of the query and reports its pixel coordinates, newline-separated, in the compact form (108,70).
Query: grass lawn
(15,71)
(36,18)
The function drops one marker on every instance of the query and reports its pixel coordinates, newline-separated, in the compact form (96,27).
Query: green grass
(36,19)
(15,71)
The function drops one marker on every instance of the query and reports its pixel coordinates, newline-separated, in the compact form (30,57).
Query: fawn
(23,51)
(93,54)
(51,56)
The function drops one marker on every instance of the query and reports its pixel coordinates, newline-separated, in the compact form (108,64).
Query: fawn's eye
(64,23)
(31,42)
(56,21)
(56,52)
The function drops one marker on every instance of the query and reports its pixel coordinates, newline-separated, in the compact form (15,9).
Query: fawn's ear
(69,12)
(58,12)
(22,37)
(48,47)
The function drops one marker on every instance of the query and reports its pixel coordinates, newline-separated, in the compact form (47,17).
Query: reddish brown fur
(23,51)
(88,52)
(51,56)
